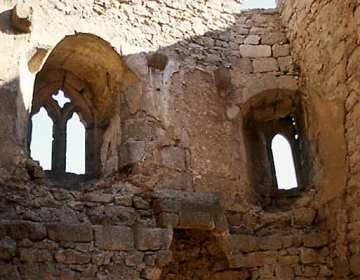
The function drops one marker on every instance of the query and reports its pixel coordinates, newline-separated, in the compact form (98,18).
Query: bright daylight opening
(284,163)
(41,138)
(61,99)
(75,145)
(258,4)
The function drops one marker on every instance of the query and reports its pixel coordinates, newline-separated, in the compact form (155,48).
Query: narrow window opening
(75,145)
(60,98)
(284,163)
(41,138)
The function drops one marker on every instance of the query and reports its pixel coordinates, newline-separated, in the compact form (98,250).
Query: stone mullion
(92,146)
(59,146)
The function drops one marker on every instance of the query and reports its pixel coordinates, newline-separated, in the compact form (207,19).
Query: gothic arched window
(72,121)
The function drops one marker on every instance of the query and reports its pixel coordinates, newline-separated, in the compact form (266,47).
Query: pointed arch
(90,73)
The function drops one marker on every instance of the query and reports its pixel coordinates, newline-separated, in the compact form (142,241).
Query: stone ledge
(190,211)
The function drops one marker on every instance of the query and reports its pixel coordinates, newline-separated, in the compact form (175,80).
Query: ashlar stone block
(255,51)
(153,238)
(286,63)
(268,64)
(23,229)
(193,216)
(252,40)
(273,38)
(315,240)
(72,257)
(66,232)
(280,50)
(239,243)
(115,238)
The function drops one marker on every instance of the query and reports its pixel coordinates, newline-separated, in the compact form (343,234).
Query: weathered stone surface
(192,216)
(269,243)
(134,258)
(123,200)
(353,65)
(288,83)
(253,259)
(261,258)
(255,51)
(3,229)
(151,273)
(22,229)
(304,216)
(252,40)
(315,240)
(152,238)
(309,256)
(114,238)
(166,205)
(167,220)
(354,264)
(7,248)
(150,260)
(102,258)
(285,63)
(9,272)
(222,78)
(21,17)
(265,65)
(169,129)
(288,260)
(280,50)
(72,257)
(66,232)
(173,157)
(225,275)
(311,271)
(131,152)
(40,270)
(35,255)
(140,203)
(157,60)
(284,272)
(163,257)
(273,38)
(98,197)
(119,258)
(239,243)
(243,65)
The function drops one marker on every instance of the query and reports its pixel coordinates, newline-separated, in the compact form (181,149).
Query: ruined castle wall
(176,182)
(325,43)
(175,132)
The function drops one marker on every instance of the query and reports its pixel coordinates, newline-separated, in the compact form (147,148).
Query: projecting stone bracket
(157,60)
(21,17)
(222,79)
(191,213)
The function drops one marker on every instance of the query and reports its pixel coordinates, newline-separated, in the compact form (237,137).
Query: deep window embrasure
(276,143)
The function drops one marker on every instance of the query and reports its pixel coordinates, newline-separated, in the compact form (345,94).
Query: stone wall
(165,128)
(324,39)
(171,87)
